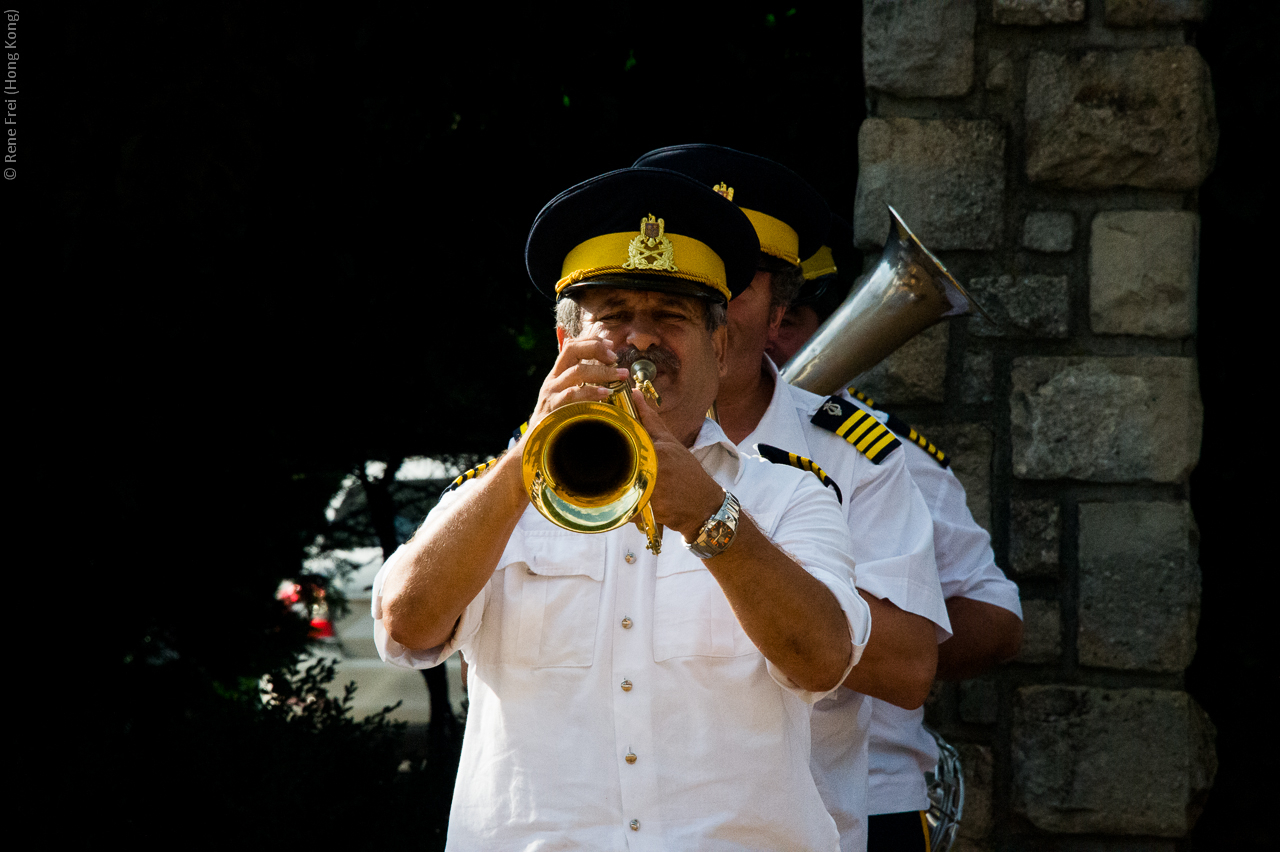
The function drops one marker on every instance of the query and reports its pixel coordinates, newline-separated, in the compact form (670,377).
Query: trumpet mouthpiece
(643,371)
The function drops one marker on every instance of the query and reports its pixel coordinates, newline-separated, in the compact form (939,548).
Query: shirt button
(630,557)
(626,623)
(626,686)
(635,825)
(631,757)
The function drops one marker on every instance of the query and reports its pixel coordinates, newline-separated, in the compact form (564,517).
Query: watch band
(718,532)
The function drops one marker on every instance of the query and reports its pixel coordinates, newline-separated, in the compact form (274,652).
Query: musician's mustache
(667,362)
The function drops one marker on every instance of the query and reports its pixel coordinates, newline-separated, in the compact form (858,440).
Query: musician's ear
(561,337)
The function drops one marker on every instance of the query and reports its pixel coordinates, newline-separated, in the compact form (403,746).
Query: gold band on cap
(606,254)
(777,238)
(822,263)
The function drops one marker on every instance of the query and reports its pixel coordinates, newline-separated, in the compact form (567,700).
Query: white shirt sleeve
(966,564)
(893,543)
(812,531)
(392,651)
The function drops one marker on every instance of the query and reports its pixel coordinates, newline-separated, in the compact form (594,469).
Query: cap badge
(651,249)
(724,189)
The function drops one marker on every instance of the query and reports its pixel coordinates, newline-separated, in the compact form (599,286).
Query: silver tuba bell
(908,290)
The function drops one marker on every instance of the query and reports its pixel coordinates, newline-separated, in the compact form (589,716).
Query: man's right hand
(579,374)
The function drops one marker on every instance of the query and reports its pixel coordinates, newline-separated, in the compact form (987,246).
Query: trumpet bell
(589,467)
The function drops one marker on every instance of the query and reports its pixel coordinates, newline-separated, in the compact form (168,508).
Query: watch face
(718,531)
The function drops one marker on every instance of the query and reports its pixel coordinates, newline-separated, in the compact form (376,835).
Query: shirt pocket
(551,603)
(692,617)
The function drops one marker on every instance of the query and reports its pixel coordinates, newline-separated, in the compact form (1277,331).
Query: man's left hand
(685,495)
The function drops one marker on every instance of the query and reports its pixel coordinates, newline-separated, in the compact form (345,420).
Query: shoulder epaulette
(862,397)
(905,429)
(778,456)
(872,438)
(473,473)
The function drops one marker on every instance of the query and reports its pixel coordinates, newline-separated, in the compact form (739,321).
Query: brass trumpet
(590,467)
(908,290)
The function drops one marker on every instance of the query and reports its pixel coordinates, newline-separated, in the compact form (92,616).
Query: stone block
(979,701)
(1127,761)
(1143,13)
(1035,530)
(1140,118)
(918,48)
(945,177)
(1105,419)
(1049,231)
(977,385)
(1041,632)
(917,372)
(978,769)
(999,70)
(1030,306)
(970,446)
(1031,13)
(1139,586)
(1142,273)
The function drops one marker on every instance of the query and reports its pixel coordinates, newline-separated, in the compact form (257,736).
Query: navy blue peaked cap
(642,228)
(789,216)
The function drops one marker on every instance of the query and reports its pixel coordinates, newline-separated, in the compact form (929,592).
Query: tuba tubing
(906,292)
(590,467)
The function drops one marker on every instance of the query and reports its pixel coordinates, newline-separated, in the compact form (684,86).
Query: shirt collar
(713,448)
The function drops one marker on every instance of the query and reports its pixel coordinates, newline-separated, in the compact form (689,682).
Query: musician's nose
(643,333)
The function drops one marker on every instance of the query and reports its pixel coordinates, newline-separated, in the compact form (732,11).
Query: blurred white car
(350,570)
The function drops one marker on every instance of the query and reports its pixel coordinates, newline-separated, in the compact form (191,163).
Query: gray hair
(569,314)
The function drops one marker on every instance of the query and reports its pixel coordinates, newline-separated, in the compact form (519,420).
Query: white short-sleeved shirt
(901,749)
(617,704)
(891,541)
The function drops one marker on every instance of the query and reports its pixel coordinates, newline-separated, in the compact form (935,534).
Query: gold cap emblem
(724,189)
(651,248)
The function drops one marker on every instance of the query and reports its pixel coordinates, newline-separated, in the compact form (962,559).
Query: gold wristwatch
(718,532)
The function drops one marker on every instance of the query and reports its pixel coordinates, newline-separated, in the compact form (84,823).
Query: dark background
(287,239)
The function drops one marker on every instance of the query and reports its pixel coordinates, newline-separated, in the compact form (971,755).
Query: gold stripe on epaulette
(857,427)
(471,474)
(780,456)
(900,426)
(869,435)
(860,396)
(851,429)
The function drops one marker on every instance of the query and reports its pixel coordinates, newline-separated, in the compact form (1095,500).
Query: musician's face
(798,325)
(669,330)
(752,321)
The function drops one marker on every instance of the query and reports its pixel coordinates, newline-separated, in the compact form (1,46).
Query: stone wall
(1049,151)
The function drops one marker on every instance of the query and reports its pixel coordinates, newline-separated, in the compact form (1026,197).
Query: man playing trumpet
(622,698)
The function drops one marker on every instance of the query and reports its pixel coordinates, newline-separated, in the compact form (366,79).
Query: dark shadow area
(289,240)
(1231,675)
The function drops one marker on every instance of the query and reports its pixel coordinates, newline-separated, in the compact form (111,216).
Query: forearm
(982,635)
(451,557)
(793,618)
(900,659)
